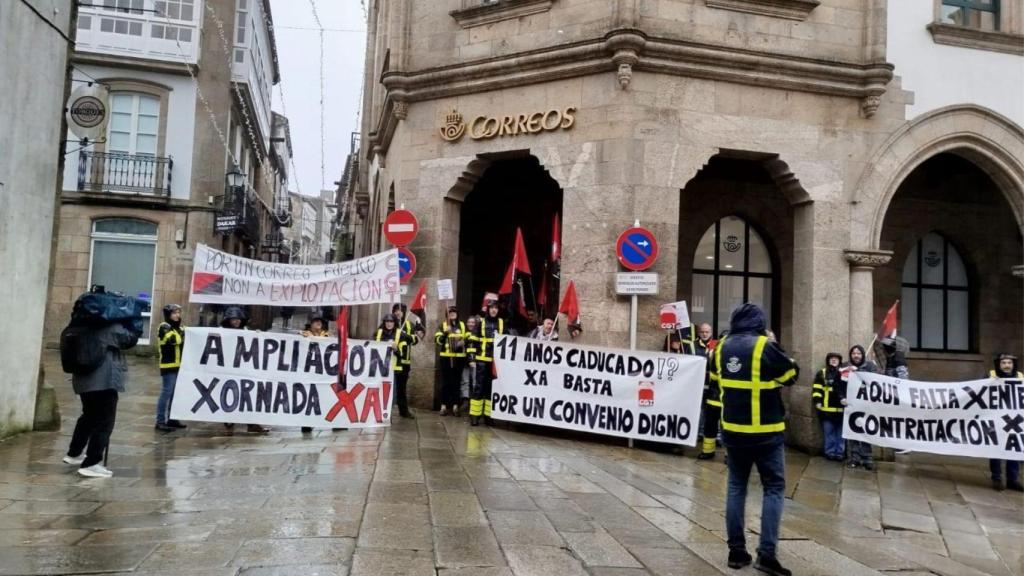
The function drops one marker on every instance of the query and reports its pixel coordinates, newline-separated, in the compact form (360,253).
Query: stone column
(862,299)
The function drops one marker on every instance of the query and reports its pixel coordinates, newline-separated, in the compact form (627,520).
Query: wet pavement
(436,496)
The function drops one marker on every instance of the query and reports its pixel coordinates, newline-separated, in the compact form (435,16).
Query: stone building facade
(772,147)
(187,107)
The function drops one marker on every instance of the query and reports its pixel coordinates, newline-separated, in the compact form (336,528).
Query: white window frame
(133,134)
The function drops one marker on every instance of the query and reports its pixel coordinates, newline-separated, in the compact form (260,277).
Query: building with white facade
(187,116)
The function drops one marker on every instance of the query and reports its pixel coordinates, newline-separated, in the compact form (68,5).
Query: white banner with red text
(980,418)
(222,278)
(275,379)
(626,393)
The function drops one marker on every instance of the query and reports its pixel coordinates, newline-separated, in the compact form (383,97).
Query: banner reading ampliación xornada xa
(631,394)
(246,377)
(222,278)
(981,418)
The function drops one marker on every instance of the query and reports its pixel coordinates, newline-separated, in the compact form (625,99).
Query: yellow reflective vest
(490,329)
(751,371)
(448,337)
(170,341)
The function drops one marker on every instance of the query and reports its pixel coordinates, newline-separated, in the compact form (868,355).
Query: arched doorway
(736,240)
(511,193)
(955,240)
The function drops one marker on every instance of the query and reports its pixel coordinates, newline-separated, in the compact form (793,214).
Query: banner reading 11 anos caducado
(626,393)
(222,278)
(274,379)
(979,418)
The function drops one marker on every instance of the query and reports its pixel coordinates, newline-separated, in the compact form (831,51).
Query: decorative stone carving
(401,110)
(1018,271)
(790,9)
(868,258)
(627,46)
(869,105)
(625,74)
(967,37)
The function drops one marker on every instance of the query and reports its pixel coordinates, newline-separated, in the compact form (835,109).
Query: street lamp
(235,178)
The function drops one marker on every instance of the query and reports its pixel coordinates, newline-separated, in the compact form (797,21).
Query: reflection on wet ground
(435,496)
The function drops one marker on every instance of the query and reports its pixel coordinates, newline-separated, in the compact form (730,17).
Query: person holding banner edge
(450,339)
(712,403)
(860,452)
(170,341)
(491,326)
(400,342)
(399,311)
(1005,366)
(829,396)
(751,369)
(236,319)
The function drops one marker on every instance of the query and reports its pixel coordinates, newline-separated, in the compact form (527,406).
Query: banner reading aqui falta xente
(247,377)
(980,418)
(627,393)
(222,278)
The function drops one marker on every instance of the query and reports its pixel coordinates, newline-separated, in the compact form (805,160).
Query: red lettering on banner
(371,401)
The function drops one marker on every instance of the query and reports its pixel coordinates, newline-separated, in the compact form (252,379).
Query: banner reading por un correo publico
(222,278)
(981,418)
(246,377)
(626,393)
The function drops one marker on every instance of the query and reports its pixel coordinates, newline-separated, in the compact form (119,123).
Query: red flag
(487,296)
(342,346)
(570,305)
(556,240)
(520,263)
(542,297)
(419,302)
(888,329)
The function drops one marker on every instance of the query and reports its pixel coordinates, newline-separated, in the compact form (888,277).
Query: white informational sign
(630,394)
(276,379)
(675,316)
(980,418)
(445,290)
(628,283)
(222,278)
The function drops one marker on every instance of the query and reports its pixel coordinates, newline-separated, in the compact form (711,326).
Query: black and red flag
(418,306)
(512,285)
(342,347)
(570,305)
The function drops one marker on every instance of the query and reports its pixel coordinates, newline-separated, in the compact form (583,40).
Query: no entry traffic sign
(406,265)
(637,249)
(400,227)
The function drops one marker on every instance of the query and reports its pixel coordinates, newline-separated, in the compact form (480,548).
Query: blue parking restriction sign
(406,265)
(637,249)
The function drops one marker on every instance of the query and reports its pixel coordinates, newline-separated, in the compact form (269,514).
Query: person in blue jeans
(828,394)
(1005,366)
(171,341)
(751,369)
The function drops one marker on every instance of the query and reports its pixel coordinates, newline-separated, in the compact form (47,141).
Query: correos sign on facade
(486,127)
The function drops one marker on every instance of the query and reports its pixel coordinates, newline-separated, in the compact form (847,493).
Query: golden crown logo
(453,127)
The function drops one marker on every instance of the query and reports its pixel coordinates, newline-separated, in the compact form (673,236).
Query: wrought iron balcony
(127,173)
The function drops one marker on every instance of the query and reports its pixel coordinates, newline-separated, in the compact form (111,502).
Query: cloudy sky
(298,45)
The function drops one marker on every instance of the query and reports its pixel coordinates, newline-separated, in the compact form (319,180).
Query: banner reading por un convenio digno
(222,278)
(980,418)
(626,393)
(274,379)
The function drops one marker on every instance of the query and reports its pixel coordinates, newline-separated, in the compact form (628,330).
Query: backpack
(81,352)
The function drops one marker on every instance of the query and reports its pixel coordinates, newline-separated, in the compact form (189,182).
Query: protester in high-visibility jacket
(318,327)
(704,345)
(415,332)
(389,332)
(751,369)
(451,344)
(170,340)
(828,393)
(469,370)
(491,326)
(1006,367)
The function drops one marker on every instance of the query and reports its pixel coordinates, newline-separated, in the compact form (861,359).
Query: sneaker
(1015,486)
(164,428)
(455,411)
(443,412)
(851,464)
(307,429)
(869,466)
(76,460)
(95,471)
(770,565)
(706,456)
(176,424)
(997,485)
(256,429)
(739,558)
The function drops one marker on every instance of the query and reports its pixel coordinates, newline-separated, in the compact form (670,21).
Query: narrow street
(435,496)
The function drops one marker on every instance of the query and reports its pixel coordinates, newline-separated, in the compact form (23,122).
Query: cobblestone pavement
(435,496)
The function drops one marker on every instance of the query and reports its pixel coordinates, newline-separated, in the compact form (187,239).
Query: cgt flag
(570,305)
(418,306)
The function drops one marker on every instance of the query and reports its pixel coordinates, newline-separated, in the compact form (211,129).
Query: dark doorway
(516,192)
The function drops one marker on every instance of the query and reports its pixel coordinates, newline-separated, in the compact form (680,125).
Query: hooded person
(450,339)
(828,395)
(318,327)
(389,331)
(414,332)
(894,350)
(751,371)
(860,454)
(170,342)
(1006,366)
(236,319)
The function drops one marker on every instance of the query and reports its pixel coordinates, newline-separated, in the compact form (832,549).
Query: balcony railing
(127,173)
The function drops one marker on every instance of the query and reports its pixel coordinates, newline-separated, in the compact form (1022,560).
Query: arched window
(935,310)
(731,266)
(124,259)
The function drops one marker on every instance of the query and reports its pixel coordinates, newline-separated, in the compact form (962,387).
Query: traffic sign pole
(633,305)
